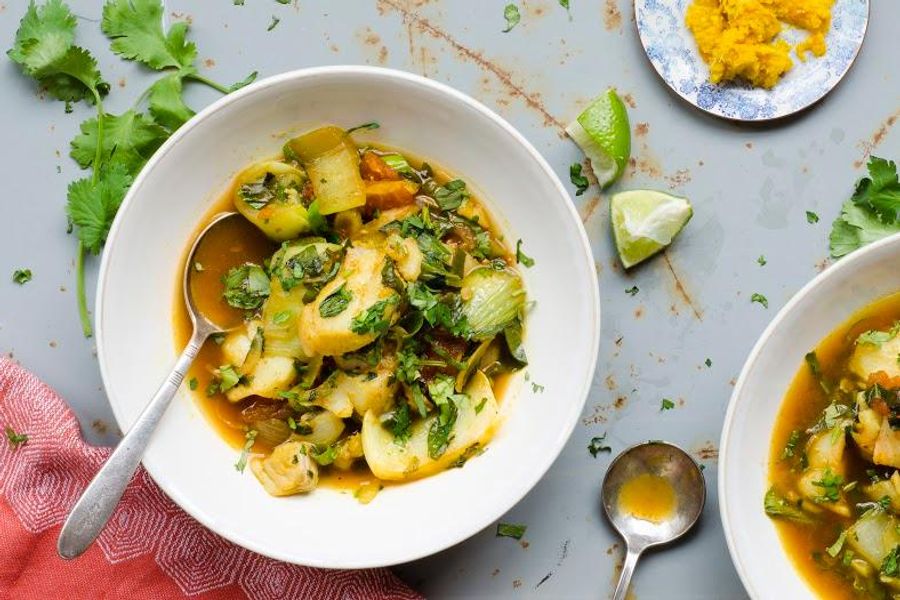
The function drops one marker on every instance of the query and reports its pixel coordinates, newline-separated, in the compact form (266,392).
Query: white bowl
(816,310)
(136,295)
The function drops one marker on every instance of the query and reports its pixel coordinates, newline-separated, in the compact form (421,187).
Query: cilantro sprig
(873,212)
(113,147)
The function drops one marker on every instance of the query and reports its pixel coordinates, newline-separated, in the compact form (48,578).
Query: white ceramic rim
(846,263)
(576,408)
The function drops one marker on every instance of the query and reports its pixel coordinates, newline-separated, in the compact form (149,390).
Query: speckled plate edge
(671,49)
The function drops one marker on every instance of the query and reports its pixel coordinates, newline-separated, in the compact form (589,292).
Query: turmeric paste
(739,40)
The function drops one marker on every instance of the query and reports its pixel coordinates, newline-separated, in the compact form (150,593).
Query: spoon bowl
(97,503)
(653,493)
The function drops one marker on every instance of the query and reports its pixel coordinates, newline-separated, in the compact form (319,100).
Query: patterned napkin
(150,549)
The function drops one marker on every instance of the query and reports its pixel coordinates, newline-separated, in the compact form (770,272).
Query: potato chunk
(346,392)
(868,359)
(287,470)
(360,279)
(475,424)
(825,451)
(272,374)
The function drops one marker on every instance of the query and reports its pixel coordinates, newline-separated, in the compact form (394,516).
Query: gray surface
(750,188)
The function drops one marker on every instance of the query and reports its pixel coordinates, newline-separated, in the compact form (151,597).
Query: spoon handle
(631,558)
(99,500)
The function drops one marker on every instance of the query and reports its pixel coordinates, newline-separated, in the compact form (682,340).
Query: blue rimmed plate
(672,51)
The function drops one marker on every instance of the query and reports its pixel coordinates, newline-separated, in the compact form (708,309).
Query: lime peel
(603,133)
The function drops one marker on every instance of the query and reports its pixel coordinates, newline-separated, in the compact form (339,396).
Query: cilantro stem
(201,79)
(82,298)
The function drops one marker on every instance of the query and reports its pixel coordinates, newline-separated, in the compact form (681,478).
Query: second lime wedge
(604,135)
(645,222)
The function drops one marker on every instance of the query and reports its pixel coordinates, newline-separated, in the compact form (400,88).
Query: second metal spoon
(670,466)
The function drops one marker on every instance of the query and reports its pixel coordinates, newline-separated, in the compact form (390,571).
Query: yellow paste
(737,38)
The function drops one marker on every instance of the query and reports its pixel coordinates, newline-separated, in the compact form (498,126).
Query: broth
(803,404)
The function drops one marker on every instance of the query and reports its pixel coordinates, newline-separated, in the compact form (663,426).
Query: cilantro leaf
(250,438)
(881,190)
(580,182)
(246,286)
(597,445)
(129,140)
(21,276)
(872,213)
(135,27)
(760,299)
(512,16)
(521,257)
(666,405)
(92,205)
(45,34)
(166,103)
(811,217)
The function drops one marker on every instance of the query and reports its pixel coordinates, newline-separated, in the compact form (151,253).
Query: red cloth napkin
(150,549)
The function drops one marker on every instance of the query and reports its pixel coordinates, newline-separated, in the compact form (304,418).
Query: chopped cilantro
(365,126)
(336,302)
(15,439)
(708,362)
(274,23)
(521,257)
(791,445)
(760,299)
(192,383)
(830,483)
(632,291)
(246,286)
(282,317)
(580,182)
(511,530)
(22,276)
(512,16)
(811,217)
(889,566)
(372,319)
(597,445)
(537,388)
(762,260)
(666,405)
(250,438)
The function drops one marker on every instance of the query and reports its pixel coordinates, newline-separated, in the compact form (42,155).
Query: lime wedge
(603,133)
(646,221)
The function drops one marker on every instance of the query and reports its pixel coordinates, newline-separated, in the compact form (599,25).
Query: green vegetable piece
(511,530)
(373,319)
(521,257)
(759,299)
(598,445)
(580,182)
(778,507)
(15,439)
(871,213)
(666,404)
(21,276)
(250,438)
(246,286)
(336,302)
(492,300)
(512,16)
(513,336)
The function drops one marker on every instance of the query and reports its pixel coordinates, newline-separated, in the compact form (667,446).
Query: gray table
(750,187)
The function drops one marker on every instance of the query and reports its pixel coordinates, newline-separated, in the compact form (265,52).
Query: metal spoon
(99,500)
(678,469)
